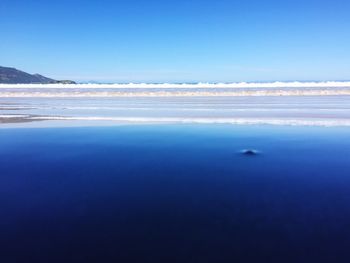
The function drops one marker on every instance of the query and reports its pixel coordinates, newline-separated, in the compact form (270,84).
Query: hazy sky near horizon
(178,41)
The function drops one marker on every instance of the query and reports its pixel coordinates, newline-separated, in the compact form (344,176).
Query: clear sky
(178,40)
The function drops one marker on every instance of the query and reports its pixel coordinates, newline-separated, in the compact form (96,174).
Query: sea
(174,177)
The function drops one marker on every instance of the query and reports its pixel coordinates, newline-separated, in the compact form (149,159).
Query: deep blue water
(177,193)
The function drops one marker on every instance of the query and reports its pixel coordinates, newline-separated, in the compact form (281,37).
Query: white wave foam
(9,116)
(267,92)
(181,109)
(277,84)
(191,120)
(237,121)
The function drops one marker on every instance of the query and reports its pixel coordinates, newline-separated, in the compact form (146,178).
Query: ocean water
(175,193)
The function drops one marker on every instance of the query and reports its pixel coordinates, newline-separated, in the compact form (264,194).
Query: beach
(89,175)
(310,104)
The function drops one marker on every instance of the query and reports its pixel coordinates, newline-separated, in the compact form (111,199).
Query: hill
(15,76)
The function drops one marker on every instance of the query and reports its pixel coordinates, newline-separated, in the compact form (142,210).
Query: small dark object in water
(249,152)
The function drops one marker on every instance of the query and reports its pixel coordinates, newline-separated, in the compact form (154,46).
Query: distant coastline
(14,76)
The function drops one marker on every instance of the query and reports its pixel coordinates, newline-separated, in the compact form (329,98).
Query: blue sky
(178,41)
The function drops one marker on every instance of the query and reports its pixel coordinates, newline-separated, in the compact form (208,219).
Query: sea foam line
(237,121)
(10,116)
(75,94)
(191,120)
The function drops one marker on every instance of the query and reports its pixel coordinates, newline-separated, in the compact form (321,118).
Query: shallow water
(284,110)
(175,193)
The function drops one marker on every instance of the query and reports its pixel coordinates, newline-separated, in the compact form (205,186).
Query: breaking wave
(277,84)
(164,93)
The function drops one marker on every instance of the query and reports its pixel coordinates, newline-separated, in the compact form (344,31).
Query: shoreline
(66,120)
